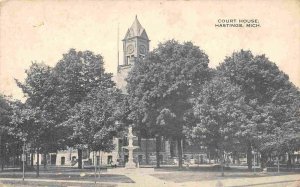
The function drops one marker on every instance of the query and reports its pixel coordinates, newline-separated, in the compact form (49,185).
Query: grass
(194,174)
(217,168)
(59,174)
(73,176)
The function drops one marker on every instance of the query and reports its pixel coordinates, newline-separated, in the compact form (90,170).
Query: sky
(44,30)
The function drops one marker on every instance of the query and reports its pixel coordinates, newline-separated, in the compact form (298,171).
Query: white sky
(44,30)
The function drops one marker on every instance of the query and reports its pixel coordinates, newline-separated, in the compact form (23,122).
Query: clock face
(142,49)
(130,48)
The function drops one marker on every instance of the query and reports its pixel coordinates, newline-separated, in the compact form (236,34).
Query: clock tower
(135,46)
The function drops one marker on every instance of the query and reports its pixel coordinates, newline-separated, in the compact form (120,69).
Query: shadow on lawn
(209,173)
(9,183)
(114,178)
(217,168)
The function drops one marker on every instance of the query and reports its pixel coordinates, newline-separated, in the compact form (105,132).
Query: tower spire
(135,30)
(135,46)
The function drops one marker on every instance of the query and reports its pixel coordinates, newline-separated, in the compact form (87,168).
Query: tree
(33,121)
(5,111)
(161,86)
(278,124)
(218,113)
(29,125)
(266,91)
(6,140)
(93,119)
(77,73)
(52,93)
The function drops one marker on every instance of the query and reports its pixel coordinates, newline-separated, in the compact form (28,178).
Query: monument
(130,164)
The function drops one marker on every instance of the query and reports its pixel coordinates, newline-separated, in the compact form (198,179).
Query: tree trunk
(139,141)
(158,145)
(249,157)
(289,161)
(233,157)
(263,160)
(146,151)
(31,160)
(79,158)
(37,162)
(172,148)
(3,158)
(26,160)
(222,163)
(20,162)
(45,160)
(179,147)
(238,159)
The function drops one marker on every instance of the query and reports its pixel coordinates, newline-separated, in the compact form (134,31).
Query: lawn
(64,177)
(9,183)
(82,176)
(195,174)
(85,177)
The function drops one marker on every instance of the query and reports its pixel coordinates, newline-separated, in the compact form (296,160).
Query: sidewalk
(141,177)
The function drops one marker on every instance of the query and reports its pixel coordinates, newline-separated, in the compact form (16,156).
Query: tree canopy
(94,119)
(247,103)
(218,110)
(272,101)
(160,86)
(76,88)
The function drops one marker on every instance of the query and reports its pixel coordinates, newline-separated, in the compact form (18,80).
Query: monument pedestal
(130,164)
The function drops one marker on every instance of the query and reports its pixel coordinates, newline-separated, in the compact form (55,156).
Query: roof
(136,30)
